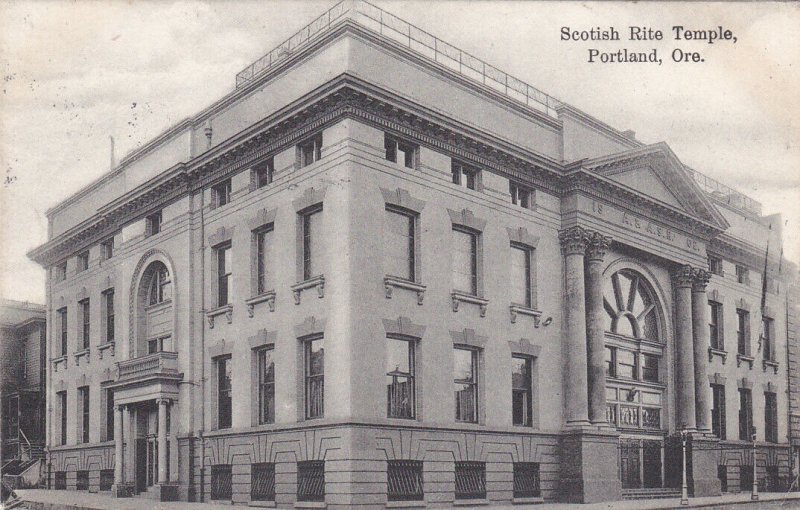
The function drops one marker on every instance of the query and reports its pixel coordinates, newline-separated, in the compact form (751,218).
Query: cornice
(564,109)
(738,250)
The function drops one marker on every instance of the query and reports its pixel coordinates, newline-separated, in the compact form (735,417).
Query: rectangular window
(400,244)
(770,417)
(109,415)
(108,305)
(85,322)
(221,482)
(716,338)
(82,480)
(62,319)
(465,261)
(743,332)
(221,193)
(263,240)
(262,481)
(745,414)
(521,282)
(611,361)
(153,224)
(160,344)
(745,477)
(61,399)
(311,480)
(223,255)
(649,368)
(464,175)
(399,151)
(60,480)
(718,410)
(520,196)
(767,335)
(310,150)
(107,248)
(312,249)
(715,265)
(83,401)
(465,383)
(722,474)
(224,402)
(626,364)
(470,480)
(404,479)
(521,391)
(315,378)
(264,172)
(61,271)
(526,480)
(83,261)
(742,275)
(266,385)
(400,394)
(106,479)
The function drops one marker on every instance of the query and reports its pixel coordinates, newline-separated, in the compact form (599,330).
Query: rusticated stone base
(705,459)
(589,466)
(164,492)
(122,490)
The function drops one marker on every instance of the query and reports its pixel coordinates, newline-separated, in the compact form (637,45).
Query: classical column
(162,439)
(118,455)
(595,327)
(129,455)
(700,329)
(573,242)
(684,378)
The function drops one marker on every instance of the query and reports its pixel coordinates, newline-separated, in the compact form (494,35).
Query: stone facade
(257,306)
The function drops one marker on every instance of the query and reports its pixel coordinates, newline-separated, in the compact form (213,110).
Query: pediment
(654,171)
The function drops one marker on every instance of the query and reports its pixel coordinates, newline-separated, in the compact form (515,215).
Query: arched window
(630,307)
(160,286)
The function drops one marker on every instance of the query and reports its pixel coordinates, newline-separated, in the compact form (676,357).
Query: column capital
(683,276)
(120,407)
(163,401)
(701,278)
(597,244)
(574,240)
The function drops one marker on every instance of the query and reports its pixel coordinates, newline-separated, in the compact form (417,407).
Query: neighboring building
(22,369)
(381,271)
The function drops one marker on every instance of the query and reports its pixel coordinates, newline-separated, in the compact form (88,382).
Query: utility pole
(754,494)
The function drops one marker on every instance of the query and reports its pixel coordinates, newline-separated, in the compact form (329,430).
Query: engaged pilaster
(595,328)
(574,241)
(682,279)
(701,344)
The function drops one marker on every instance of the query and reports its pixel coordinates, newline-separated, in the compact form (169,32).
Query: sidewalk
(62,500)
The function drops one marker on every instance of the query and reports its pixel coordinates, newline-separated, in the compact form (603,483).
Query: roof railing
(725,193)
(416,39)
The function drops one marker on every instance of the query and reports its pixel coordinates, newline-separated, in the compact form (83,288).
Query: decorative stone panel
(310,327)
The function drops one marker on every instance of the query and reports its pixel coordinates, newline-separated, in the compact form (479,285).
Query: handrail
(22,433)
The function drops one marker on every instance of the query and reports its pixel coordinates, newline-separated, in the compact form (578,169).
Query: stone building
(22,384)
(381,271)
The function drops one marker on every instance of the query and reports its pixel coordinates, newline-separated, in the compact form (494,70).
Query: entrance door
(651,464)
(152,461)
(141,464)
(629,464)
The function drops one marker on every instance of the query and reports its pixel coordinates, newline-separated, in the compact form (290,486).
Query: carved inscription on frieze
(640,224)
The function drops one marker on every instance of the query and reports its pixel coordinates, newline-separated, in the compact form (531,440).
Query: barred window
(745,414)
(106,479)
(405,480)
(465,382)
(60,480)
(262,481)
(400,378)
(526,480)
(221,481)
(470,480)
(311,480)
(266,386)
(770,417)
(82,480)
(722,474)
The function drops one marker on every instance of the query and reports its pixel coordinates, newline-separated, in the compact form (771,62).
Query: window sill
(268,296)
(717,352)
(390,282)
(770,363)
(57,361)
(526,501)
(103,347)
(310,504)
(524,310)
(79,354)
(471,502)
(227,310)
(743,358)
(316,281)
(406,504)
(262,504)
(460,297)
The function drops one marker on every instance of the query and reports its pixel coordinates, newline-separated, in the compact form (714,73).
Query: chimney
(629,134)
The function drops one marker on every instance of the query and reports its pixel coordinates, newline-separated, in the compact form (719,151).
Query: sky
(76,73)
